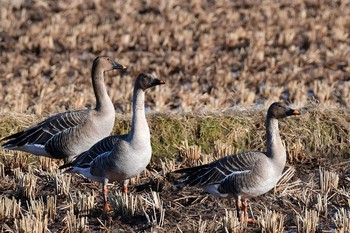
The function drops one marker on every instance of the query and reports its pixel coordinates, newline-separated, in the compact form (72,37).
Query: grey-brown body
(66,135)
(120,157)
(246,174)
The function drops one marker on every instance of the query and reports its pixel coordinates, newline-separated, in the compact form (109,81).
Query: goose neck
(139,127)
(275,149)
(103,102)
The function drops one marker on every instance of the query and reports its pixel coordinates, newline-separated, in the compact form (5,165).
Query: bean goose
(120,157)
(246,174)
(67,134)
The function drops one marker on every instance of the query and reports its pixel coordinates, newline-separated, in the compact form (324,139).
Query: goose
(246,174)
(68,134)
(120,157)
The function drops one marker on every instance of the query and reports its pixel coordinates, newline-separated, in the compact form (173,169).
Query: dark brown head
(280,110)
(104,63)
(145,81)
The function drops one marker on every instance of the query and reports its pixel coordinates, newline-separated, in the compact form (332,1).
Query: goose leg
(245,211)
(105,195)
(238,208)
(125,186)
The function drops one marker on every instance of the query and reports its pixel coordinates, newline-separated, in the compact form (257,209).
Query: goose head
(104,63)
(280,110)
(145,81)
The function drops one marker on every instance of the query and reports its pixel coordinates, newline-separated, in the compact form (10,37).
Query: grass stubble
(311,196)
(213,55)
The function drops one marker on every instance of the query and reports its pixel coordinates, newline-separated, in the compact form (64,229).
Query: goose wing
(105,145)
(46,130)
(219,170)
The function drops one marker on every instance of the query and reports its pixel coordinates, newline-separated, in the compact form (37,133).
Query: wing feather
(103,146)
(44,131)
(219,170)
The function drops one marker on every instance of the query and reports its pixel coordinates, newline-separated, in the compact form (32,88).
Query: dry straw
(271,221)
(47,164)
(322,203)
(85,202)
(51,205)
(26,185)
(62,184)
(157,215)
(9,208)
(308,222)
(36,208)
(190,153)
(30,223)
(21,160)
(231,223)
(75,223)
(342,220)
(222,149)
(328,180)
(126,204)
(203,226)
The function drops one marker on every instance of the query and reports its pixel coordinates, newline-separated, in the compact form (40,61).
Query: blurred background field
(224,62)
(212,54)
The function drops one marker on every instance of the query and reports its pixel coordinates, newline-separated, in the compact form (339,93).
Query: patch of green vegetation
(320,133)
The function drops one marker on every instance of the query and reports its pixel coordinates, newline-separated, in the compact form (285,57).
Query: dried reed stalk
(30,223)
(17,172)
(62,184)
(85,202)
(271,221)
(125,204)
(158,211)
(26,185)
(20,160)
(328,180)
(202,226)
(167,166)
(308,222)
(36,208)
(51,204)
(190,153)
(9,208)
(222,150)
(322,204)
(47,164)
(231,223)
(75,223)
(342,220)
(283,184)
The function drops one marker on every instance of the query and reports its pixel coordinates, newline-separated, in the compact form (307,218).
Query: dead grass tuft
(271,222)
(308,222)
(126,204)
(26,185)
(230,223)
(30,223)
(342,220)
(328,180)
(9,208)
(62,184)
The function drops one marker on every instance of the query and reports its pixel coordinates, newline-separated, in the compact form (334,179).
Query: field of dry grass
(313,194)
(223,62)
(212,54)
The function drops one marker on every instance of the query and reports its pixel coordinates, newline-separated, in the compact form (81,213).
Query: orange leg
(245,211)
(105,195)
(125,186)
